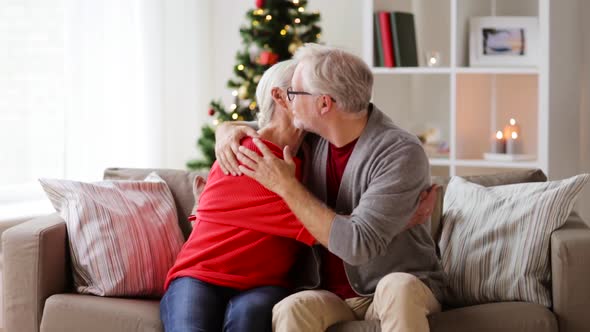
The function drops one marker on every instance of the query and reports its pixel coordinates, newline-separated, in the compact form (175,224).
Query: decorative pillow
(486,180)
(179,181)
(495,241)
(123,235)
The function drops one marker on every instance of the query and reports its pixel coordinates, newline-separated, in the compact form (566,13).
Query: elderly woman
(234,266)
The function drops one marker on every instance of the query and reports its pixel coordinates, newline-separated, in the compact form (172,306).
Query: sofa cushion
(123,235)
(180,183)
(77,312)
(506,317)
(74,312)
(495,241)
(519,176)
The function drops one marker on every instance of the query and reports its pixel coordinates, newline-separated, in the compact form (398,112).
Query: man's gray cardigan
(379,192)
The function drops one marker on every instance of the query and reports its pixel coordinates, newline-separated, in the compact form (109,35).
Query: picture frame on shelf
(503,41)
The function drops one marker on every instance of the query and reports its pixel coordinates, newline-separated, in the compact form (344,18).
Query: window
(86,85)
(32,99)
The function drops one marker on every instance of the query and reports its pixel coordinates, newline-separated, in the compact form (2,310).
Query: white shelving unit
(411,70)
(467,104)
(496,70)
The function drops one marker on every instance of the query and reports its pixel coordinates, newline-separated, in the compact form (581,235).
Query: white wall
(187,54)
(584,200)
(564,93)
(225,42)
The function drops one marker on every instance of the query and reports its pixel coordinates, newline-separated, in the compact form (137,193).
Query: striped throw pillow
(123,235)
(495,241)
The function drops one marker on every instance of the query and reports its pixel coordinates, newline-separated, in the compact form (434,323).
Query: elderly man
(367,175)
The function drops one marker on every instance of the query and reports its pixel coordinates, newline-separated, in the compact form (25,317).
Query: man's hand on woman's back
(425,208)
(227,141)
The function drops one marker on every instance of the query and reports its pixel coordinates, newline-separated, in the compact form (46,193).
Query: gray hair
(277,76)
(339,74)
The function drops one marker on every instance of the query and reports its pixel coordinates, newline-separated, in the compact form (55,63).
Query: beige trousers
(401,303)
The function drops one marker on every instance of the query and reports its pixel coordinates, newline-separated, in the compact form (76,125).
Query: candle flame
(512,122)
(499,135)
(514,135)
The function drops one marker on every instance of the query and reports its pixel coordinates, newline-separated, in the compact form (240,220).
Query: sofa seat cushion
(88,313)
(501,316)
(506,317)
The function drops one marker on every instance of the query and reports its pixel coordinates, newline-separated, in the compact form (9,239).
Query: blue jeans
(193,305)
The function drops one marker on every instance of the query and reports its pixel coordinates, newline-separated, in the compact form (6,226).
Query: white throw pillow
(495,240)
(123,235)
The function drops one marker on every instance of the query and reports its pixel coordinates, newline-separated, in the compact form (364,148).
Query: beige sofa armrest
(35,264)
(570,265)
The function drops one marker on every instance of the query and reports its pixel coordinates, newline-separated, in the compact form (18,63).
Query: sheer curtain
(86,85)
(138,74)
(31,97)
(113,69)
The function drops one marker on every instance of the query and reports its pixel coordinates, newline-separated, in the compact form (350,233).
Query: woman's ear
(279,96)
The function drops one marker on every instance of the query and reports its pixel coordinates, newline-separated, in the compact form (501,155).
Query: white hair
(339,74)
(277,76)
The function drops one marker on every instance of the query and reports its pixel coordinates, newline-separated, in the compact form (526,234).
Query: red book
(386,39)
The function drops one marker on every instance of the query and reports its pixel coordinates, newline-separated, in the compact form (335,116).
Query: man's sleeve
(384,208)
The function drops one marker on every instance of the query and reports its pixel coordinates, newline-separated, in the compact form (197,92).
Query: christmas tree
(276,29)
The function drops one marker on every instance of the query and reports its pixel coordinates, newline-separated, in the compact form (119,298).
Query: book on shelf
(378,49)
(394,39)
(386,39)
(404,39)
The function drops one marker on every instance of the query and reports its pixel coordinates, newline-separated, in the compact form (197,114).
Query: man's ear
(326,103)
(278,95)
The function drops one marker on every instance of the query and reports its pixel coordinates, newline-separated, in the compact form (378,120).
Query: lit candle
(512,144)
(499,144)
(432,58)
(511,128)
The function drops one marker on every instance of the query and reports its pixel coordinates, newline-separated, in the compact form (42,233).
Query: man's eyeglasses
(291,94)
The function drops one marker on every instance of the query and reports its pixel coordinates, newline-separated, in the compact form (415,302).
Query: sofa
(39,296)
